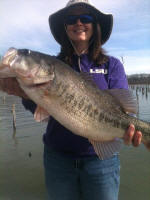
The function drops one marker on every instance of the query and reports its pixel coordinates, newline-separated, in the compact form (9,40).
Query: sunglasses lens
(85,19)
(71,19)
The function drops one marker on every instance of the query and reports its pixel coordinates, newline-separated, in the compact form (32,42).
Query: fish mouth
(9,57)
(5,69)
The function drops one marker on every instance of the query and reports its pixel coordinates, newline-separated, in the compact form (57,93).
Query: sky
(24,24)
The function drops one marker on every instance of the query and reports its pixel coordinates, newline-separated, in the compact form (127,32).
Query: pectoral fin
(41,114)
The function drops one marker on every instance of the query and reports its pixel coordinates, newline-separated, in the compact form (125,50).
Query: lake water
(21,167)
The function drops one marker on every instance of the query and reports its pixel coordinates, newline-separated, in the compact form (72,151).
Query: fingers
(137,138)
(128,136)
(132,137)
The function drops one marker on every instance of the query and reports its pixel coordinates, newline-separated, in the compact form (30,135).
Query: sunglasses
(85,19)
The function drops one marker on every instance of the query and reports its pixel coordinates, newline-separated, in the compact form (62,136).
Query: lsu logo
(99,71)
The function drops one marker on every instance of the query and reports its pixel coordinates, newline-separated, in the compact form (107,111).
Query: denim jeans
(83,179)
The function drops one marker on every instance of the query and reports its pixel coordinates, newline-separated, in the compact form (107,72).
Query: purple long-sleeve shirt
(107,76)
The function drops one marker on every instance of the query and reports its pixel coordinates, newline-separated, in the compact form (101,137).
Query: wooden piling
(14,116)
(4,99)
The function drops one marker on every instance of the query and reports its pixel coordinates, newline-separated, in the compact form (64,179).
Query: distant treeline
(139,79)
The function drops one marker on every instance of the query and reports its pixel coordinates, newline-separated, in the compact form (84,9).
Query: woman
(72,168)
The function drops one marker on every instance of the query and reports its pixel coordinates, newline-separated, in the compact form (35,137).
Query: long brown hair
(96,52)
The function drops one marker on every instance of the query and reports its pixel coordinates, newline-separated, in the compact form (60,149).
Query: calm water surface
(21,167)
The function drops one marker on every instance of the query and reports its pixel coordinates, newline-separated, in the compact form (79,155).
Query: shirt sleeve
(29,105)
(117,77)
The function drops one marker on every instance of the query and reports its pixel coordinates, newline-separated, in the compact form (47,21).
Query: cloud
(24,24)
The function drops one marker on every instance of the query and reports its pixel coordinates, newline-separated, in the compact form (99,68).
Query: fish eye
(24,52)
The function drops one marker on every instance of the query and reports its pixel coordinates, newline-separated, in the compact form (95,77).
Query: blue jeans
(82,179)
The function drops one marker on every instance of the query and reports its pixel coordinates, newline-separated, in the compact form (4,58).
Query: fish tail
(146,143)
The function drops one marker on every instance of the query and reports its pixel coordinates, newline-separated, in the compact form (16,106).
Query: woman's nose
(78,21)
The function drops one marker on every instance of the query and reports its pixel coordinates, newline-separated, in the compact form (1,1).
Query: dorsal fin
(126,99)
(87,77)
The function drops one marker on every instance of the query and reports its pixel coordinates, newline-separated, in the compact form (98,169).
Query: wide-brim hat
(56,20)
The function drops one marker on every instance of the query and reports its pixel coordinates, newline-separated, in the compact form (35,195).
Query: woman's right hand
(11,86)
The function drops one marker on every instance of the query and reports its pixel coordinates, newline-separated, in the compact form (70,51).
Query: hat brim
(56,22)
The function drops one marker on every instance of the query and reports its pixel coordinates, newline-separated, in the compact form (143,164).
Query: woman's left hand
(132,137)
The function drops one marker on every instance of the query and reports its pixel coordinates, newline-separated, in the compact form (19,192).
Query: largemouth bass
(73,100)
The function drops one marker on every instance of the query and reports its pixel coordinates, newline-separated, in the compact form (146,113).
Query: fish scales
(81,105)
(84,104)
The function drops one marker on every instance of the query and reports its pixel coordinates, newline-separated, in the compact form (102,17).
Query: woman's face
(79,32)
